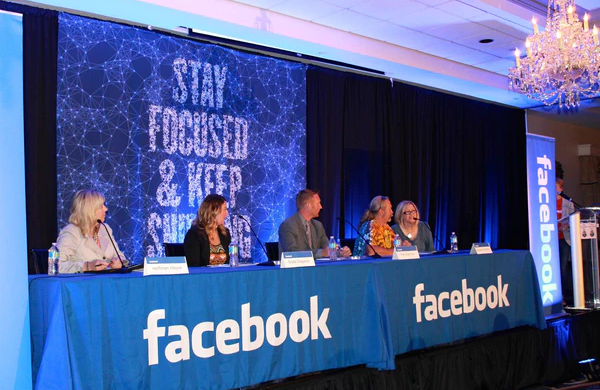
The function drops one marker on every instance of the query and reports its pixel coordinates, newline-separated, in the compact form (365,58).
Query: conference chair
(39,257)
(173,249)
(349,242)
(272,250)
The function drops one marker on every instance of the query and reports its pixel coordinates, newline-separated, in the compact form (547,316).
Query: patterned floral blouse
(217,254)
(376,234)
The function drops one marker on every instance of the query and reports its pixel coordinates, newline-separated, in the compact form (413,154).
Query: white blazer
(75,249)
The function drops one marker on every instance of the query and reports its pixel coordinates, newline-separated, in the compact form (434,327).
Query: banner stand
(543,230)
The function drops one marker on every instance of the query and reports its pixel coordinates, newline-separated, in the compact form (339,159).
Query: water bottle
(397,241)
(453,243)
(332,249)
(53,258)
(234,260)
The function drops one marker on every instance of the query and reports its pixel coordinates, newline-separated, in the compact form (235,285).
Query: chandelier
(562,64)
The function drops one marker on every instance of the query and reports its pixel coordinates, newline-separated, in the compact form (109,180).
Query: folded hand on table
(115,263)
(95,265)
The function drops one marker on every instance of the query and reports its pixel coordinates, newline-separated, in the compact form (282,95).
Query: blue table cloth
(220,328)
(501,290)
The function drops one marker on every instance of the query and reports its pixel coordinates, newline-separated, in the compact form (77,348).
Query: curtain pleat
(461,161)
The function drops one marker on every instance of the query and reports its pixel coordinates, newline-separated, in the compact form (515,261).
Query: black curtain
(40,45)
(348,119)
(461,161)
(514,359)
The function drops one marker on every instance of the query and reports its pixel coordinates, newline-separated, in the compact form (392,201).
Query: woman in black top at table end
(207,241)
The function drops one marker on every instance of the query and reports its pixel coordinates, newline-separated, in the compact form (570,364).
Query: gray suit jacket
(292,236)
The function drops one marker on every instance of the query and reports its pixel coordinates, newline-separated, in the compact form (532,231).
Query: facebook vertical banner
(157,122)
(543,233)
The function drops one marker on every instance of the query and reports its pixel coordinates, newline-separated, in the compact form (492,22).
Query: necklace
(410,232)
(96,238)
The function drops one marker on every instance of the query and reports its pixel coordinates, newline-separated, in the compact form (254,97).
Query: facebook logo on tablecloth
(461,301)
(299,326)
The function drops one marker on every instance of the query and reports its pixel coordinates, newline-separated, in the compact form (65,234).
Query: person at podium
(411,229)
(564,208)
(374,228)
(207,241)
(84,245)
(302,232)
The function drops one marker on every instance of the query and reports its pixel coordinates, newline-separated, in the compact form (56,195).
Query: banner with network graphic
(156,123)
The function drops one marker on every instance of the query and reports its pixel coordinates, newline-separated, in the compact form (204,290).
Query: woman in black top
(207,241)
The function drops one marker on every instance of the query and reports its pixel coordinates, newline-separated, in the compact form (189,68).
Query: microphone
(567,197)
(112,242)
(434,236)
(375,255)
(253,232)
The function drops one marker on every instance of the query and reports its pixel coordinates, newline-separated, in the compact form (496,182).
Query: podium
(581,231)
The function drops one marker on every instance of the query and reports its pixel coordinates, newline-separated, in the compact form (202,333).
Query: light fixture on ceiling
(562,64)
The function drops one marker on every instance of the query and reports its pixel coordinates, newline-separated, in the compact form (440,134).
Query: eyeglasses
(410,212)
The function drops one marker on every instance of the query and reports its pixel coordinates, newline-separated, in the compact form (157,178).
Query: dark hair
(304,196)
(560,173)
(207,213)
(374,207)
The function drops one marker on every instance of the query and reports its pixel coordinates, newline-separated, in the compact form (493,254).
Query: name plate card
(405,253)
(175,265)
(297,259)
(481,248)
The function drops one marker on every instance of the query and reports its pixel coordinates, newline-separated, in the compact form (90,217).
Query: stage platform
(518,358)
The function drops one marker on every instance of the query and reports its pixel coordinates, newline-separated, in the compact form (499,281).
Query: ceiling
(433,43)
(450,29)
(455,30)
(445,35)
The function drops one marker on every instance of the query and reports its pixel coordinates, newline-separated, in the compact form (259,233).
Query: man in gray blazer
(301,232)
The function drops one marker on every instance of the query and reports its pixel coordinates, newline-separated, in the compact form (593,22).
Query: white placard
(173,265)
(405,253)
(297,259)
(481,248)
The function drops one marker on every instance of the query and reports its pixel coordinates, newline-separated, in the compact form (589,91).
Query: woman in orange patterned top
(374,228)
(207,241)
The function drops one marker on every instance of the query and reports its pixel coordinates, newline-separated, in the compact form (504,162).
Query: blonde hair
(374,207)
(207,214)
(400,210)
(83,210)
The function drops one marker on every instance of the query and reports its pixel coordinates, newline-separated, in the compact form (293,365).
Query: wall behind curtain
(15,359)
(461,161)
(40,34)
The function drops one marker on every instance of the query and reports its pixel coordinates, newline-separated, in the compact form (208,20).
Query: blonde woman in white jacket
(84,245)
